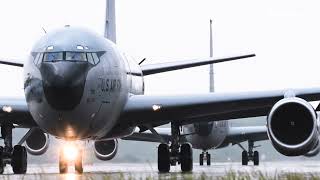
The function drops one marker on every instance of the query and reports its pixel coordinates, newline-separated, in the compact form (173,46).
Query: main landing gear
(15,156)
(69,154)
(250,155)
(205,156)
(175,153)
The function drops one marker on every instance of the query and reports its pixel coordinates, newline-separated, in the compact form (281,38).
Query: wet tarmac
(103,171)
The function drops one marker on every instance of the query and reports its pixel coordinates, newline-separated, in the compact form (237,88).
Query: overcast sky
(285,35)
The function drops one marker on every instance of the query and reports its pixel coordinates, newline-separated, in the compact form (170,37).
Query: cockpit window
(36,59)
(91,57)
(53,56)
(76,56)
(95,58)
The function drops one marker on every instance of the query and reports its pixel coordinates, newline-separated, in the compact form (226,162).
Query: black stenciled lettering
(114,84)
(107,84)
(111,86)
(100,84)
(119,84)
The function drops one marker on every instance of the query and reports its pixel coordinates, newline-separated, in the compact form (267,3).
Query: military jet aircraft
(210,135)
(80,86)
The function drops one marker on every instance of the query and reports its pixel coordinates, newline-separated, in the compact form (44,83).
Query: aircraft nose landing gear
(70,153)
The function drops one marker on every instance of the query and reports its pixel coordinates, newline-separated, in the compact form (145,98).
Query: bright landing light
(70,152)
(71,176)
(7,109)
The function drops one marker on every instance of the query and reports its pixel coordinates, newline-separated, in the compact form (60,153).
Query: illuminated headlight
(70,152)
(7,109)
(156,107)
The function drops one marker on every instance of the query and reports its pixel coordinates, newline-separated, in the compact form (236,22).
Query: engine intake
(106,149)
(292,127)
(38,142)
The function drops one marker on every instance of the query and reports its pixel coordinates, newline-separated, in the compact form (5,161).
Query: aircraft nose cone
(63,83)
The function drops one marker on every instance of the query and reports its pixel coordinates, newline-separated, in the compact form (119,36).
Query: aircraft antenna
(44,30)
(142,61)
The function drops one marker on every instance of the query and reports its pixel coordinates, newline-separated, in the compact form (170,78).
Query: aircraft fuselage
(206,136)
(76,83)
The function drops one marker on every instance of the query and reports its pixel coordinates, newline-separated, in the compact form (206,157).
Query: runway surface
(109,170)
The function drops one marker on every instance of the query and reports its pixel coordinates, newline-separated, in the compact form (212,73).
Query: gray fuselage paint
(79,100)
(94,94)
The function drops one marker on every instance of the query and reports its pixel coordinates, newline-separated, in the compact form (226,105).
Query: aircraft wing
(240,134)
(235,135)
(171,66)
(162,67)
(16,110)
(148,136)
(185,109)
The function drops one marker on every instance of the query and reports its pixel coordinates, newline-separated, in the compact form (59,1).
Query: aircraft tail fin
(211,71)
(110,21)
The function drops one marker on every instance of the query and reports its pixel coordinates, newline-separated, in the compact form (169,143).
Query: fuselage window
(53,56)
(76,56)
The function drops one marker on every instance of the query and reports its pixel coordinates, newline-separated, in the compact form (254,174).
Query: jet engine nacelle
(38,142)
(315,151)
(106,149)
(293,127)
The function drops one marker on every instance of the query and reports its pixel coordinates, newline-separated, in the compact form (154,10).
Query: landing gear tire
(1,160)
(186,158)
(78,164)
(2,169)
(201,159)
(256,158)
(176,153)
(19,160)
(163,158)
(245,158)
(208,159)
(63,165)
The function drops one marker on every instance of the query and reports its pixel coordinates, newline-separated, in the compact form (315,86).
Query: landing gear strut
(250,155)
(16,156)
(175,153)
(205,156)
